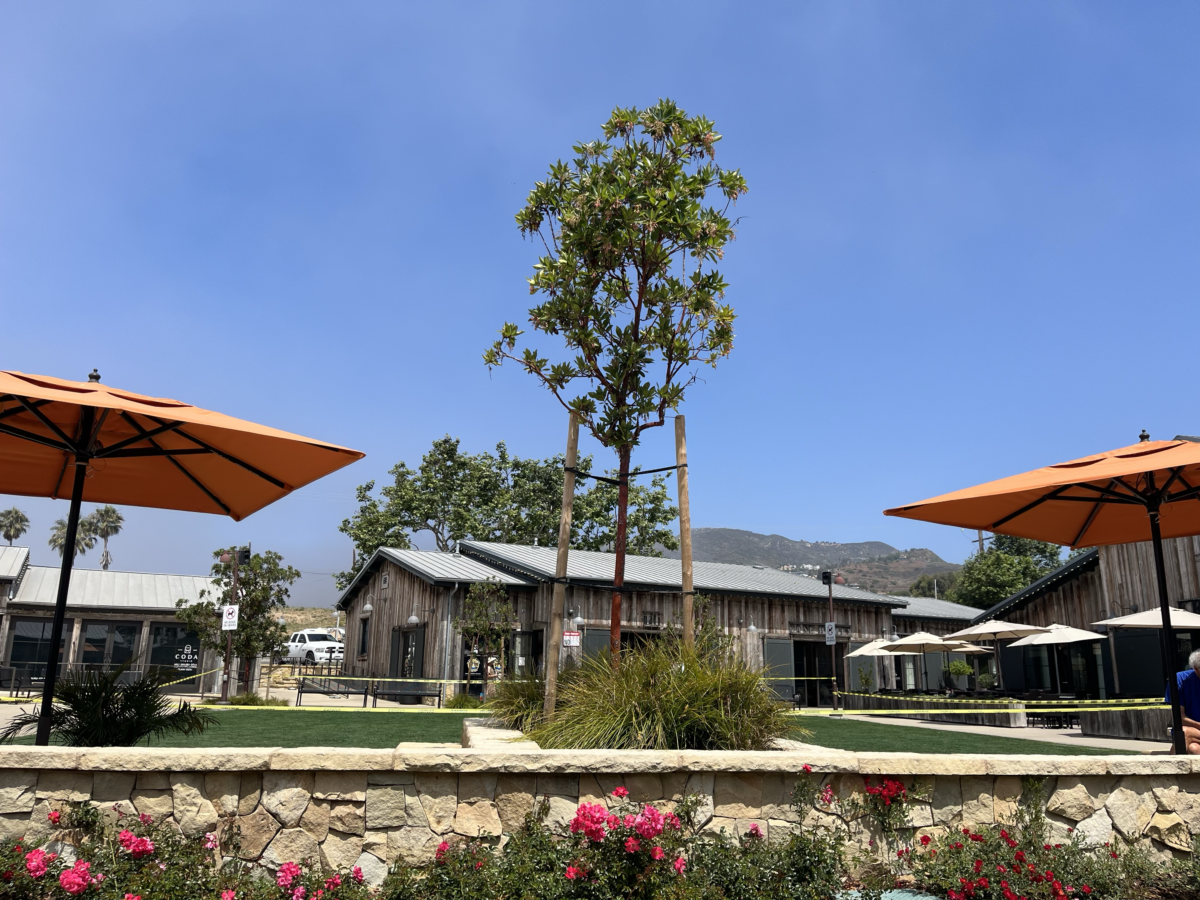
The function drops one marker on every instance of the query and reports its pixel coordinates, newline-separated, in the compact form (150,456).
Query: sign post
(229,617)
(831,637)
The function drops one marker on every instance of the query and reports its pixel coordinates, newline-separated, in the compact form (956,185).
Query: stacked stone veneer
(371,807)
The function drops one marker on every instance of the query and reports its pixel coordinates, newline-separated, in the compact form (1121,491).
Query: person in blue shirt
(1189,703)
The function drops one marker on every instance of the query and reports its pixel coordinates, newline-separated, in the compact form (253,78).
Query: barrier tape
(994,702)
(190,677)
(954,712)
(802,678)
(396,678)
(417,708)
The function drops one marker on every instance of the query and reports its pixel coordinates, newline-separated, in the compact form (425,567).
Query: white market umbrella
(1152,618)
(1058,634)
(921,642)
(876,649)
(995,630)
(963,647)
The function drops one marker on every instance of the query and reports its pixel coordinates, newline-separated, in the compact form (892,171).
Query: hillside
(873,565)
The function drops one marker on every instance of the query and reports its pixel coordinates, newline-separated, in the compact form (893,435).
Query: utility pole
(827,577)
(980,532)
(558,600)
(685,532)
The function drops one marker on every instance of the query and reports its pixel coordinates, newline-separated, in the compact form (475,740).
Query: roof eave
(1078,566)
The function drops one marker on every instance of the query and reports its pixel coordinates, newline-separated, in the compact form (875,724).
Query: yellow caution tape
(415,708)
(190,677)
(953,712)
(978,702)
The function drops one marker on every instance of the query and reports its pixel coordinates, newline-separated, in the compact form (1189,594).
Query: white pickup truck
(313,645)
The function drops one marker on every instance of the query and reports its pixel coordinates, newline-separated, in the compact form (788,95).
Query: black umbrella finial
(1143,437)
(95,376)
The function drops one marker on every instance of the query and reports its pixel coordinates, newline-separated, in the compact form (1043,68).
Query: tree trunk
(614,639)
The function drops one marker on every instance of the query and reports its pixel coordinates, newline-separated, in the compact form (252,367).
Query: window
(364,626)
(301,639)
(174,647)
(652,620)
(31,643)
(108,642)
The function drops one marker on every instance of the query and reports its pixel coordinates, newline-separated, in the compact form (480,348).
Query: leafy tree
(1044,554)
(106,522)
(500,497)
(947,584)
(629,281)
(263,590)
(13,524)
(487,618)
(85,537)
(989,577)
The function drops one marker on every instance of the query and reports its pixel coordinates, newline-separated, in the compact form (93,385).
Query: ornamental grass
(662,696)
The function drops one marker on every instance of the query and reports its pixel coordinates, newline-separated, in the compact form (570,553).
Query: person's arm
(1188,723)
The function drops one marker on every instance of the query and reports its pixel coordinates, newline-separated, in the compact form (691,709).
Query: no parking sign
(229,618)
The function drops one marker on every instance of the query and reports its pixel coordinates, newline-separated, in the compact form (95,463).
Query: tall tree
(106,522)
(943,585)
(487,618)
(85,537)
(629,281)
(263,590)
(650,511)
(13,524)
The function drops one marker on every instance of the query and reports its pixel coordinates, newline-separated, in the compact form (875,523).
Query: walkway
(1046,735)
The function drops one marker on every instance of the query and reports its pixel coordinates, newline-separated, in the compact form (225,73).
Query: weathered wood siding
(913,624)
(1078,603)
(1129,579)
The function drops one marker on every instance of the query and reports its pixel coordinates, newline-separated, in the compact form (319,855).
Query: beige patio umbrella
(1152,618)
(876,649)
(921,642)
(963,647)
(995,630)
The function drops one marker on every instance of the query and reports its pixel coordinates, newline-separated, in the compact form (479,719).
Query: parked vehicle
(313,645)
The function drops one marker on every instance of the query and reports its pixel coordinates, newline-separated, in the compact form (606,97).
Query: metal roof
(435,567)
(12,559)
(1073,569)
(591,567)
(96,589)
(929,608)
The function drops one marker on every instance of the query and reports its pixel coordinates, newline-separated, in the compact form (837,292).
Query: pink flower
(210,841)
(629,820)
(657,853)
(54,815)
(612,822)
(35,863)
(755,831)
(807,769)
(288,872)
(590,818)
(621,792)
(76,879)
(925,840)
(145,819)
(441,851)
(679,865)
(336,880)
(673,821)
(298,893)
(228,895)
(572,873)
(632,845)
(649,822)
(356,874)
(133,897)
(137,847)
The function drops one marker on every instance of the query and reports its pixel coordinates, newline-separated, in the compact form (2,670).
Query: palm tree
(13,524)
(106,522)
(85,537)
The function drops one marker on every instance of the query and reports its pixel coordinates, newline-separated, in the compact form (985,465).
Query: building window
(652,620)
(110,643)
(31,644)
(174,647)
(364,631)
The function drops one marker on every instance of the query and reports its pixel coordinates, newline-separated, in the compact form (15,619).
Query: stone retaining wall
(371,807)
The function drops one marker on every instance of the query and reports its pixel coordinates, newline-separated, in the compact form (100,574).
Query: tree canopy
(13,524)
(947,582)
(1009,565)
(497,496)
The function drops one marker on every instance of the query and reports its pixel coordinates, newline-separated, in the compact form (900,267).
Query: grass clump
(662,696)
(248,700)
(462,700)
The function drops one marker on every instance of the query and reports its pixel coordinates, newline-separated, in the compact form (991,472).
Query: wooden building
(1102,583)
(400,611)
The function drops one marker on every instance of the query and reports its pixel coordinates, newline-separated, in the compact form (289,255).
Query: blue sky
(969,247)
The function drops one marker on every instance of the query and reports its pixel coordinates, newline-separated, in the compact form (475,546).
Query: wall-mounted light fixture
(369,606)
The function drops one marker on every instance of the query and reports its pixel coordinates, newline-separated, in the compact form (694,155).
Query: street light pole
(229,557)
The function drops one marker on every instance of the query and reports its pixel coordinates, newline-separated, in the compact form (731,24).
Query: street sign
(830,633)
(229,618)
(572,638)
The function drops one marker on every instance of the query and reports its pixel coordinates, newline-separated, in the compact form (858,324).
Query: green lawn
(852,734)
(280,728)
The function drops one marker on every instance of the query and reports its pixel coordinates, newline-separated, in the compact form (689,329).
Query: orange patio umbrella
(1144,492)
(88,441)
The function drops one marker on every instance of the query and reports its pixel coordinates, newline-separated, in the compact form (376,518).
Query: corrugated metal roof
(928,608)
(111,590)
(587,566)
(447,568)
(11,561)
(1085,562)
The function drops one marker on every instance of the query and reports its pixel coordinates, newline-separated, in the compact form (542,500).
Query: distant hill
(873,565)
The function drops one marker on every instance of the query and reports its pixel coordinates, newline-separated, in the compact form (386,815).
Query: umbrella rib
(178,465)
(17,410)
(43,418)
(1024,509)
(121,445)
(1087,524)
(227,456)
(35,438)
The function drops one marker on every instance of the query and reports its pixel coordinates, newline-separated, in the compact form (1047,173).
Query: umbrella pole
(1168,634)
(60,604)
(999,668)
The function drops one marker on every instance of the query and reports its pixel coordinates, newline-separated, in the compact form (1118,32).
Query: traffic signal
(243,556)
(827,578)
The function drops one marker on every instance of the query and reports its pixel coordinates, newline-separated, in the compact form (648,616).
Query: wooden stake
(685,531)
(553,652)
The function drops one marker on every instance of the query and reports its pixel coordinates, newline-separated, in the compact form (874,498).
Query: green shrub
(663,696)
(249,700)
(100,709)
(463,700)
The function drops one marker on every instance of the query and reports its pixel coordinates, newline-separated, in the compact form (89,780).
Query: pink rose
(133,897)
(76,879)
(228,895)
(632,845)
(145,819)
(755,831)
(298,893)
(35,863)
(441,851)
(807,769)
(657,853)
(621,792)
(54,815)
(356,874)
(335,881)
(679,865)
(572,873)
(288,872)
(210,841)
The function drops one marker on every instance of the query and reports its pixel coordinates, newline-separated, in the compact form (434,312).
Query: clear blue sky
(969,247)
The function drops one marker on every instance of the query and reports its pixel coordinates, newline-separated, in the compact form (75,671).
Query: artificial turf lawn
(281,728)
(870,737)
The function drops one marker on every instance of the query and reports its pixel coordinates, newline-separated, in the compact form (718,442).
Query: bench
(395,689)
(332,686)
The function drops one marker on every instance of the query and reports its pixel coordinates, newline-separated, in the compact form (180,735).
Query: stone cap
(501,757)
